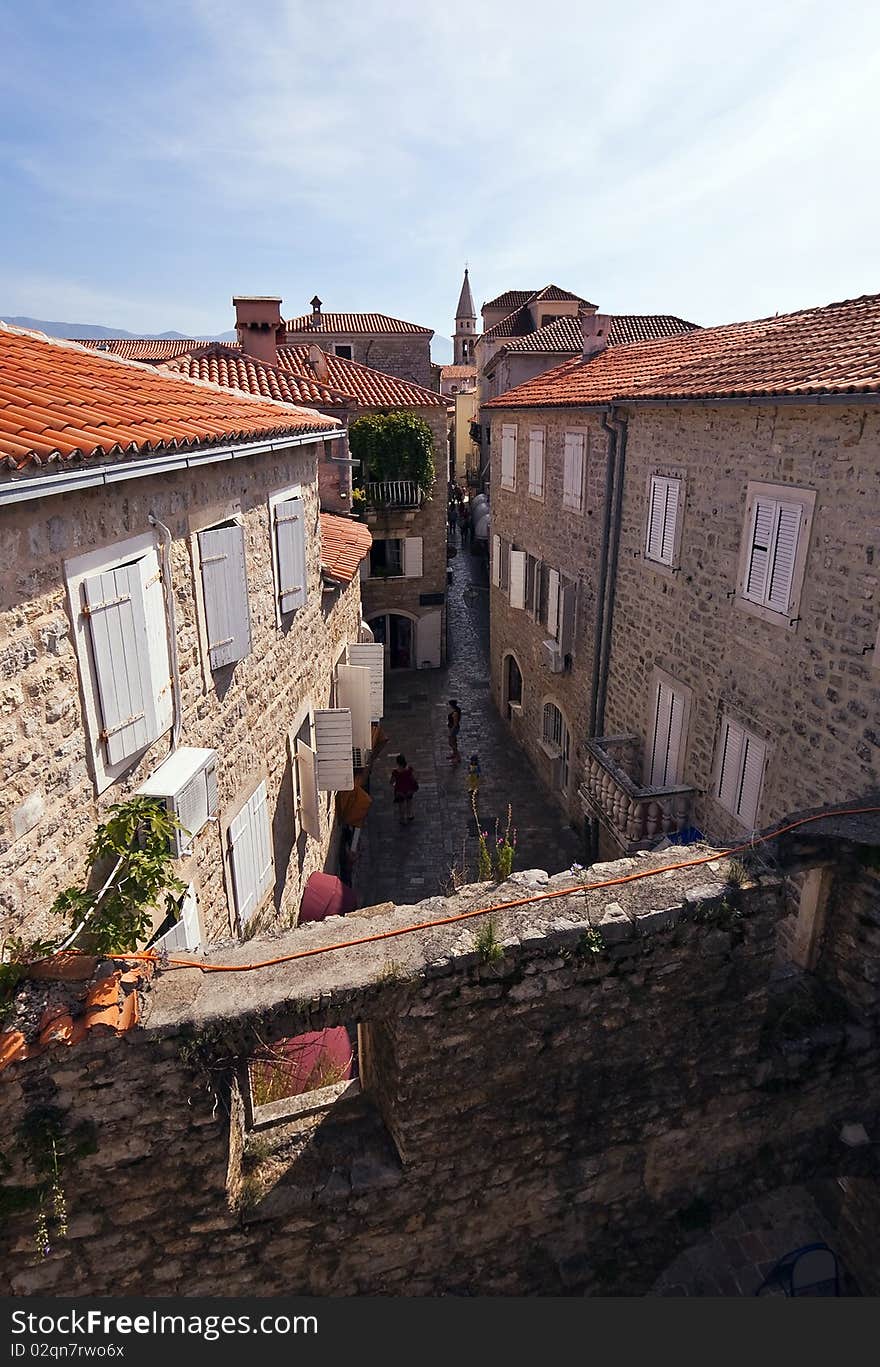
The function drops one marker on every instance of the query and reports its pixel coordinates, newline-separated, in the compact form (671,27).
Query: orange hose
(152,957)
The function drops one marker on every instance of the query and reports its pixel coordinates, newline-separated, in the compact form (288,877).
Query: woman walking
(453,721)
(405,784)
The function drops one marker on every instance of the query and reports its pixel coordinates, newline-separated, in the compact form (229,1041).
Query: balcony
(637,817)
(403,494)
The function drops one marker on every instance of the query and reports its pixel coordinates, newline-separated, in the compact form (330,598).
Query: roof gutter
(94,476)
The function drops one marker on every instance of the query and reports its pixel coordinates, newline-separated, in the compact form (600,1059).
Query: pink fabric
(325,895)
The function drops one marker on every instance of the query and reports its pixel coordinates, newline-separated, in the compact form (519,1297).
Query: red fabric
(319,1057)
(404,781)
(325,895)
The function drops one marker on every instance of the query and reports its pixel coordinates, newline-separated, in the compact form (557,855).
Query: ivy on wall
(393,446)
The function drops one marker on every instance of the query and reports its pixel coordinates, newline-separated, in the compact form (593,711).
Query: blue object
(809,1271)
(689,836)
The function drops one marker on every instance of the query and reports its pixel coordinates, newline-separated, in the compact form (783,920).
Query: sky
(717,162)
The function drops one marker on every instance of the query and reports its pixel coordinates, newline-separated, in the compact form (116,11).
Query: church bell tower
(465,326)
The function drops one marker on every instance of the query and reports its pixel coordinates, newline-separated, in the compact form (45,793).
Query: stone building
(175,608)
(685,604)
(388,344)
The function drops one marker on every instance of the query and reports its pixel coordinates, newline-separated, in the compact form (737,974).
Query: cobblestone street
(406,863)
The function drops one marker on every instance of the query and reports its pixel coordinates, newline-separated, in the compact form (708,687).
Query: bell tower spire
(465,325)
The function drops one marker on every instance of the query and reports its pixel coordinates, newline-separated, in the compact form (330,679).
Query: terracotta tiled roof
(148,349)
(830,350)
(565,335)
(353,324)
(553,294)
(371,388)
(515,324)
(59,401)
(230,368)
(344,543)
(458,372)
(511,299)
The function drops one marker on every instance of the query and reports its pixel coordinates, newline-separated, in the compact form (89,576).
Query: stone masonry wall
(407,355)
(48,806)
(567,541)
(559,1115)
(813,692)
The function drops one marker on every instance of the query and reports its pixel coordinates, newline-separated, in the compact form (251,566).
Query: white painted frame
(781,493)
(279,496)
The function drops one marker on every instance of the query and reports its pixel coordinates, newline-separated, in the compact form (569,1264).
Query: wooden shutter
(333,747)
(754,757)
(290,547)
(496,559)
(536,462)
(153,590)
(353,685)
(663,518)
(573,471)
(371,657)
(306,795)
(553,604)
(116,615)
(666,743)
(760,544)
(250,848)
(224,585)
(517,579)
(412,557)
(428,641)
(730,764)
(508,455)
(567,616)
(785,544)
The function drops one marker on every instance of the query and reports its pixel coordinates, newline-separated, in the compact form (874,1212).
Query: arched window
(557,742)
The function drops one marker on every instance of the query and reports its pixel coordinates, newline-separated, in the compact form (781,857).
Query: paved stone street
(406,863)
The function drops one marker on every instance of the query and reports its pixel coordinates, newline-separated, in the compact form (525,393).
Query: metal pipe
(601,581)
(617,517)
(170,630)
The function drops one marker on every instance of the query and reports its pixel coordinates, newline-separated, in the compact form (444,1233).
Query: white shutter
(508,455)
(157,638)
(428,641)
(116,615)
(290,547)
(496,559)
(730,765)
(186,934)
(306,795)
(760,543)
(517,579)
(754,756)
(573,471)
(567,616)
(412,557)
(785,545)
(353,691)
(250,847)
(663,519)
(333,746)
(224,586)
(666,745)
(536,462)
(667,548)
(553,603)
(372,656)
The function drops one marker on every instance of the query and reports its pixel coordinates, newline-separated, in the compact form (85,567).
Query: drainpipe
(618,425)
(602,576)
(171,630)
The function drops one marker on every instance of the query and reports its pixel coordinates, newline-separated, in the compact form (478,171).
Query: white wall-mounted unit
(186,783)
(554,657)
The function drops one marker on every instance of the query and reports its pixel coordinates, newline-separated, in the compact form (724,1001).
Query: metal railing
(394,493)
(637,816)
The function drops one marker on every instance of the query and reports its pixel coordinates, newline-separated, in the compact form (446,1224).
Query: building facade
(388,344)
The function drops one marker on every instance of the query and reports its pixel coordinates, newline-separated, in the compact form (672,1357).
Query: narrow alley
(406,863)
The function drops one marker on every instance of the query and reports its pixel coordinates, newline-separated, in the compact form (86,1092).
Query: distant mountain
(441,349)
(94,330)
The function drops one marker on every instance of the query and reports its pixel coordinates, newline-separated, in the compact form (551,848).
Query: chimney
(259,325)
(316,312)
(318,362)
(595,328)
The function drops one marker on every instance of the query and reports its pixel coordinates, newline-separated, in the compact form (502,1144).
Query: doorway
(395,633)
(513,687)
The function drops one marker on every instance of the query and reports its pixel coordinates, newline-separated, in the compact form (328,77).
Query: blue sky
(715,161)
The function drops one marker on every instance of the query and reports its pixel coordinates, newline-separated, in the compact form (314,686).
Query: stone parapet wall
(554,1115)
(407,355)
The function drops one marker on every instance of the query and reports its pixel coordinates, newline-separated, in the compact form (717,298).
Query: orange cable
(150,956)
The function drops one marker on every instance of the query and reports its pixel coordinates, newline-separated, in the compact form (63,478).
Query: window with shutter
(663,513)
(508,456)
(517,579)
(496,559)
(305,794)
(225,594)
(250,854)
(665,755)
(372,656)
(290,553)
(567,615)
(505,564)
(186,933)
(742,758)
(553,604)
(774,549)
(353,692)
(412,557)
(573,471)
(536,462)
(333,747)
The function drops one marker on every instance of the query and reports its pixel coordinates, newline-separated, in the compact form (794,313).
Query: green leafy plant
(736,873)
(505,848)
(487,944)
(592,941)
(49,1148)
(358,502)
(393,446)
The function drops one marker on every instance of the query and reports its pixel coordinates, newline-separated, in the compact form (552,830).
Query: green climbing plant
(393,446)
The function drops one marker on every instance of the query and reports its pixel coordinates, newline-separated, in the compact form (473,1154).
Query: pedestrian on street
(453,518)
(453,721)
(405,785)
(473,775)
(465,519)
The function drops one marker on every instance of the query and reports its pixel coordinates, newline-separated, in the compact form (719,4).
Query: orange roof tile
(227,366)
(344,543)
(830,350)
(371,388)
(60,401)
(353,324)
(456,372)
(148,349)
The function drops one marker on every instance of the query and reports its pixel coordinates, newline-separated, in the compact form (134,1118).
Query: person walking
(473,776)
(405,785)
(453,721)
(464,517)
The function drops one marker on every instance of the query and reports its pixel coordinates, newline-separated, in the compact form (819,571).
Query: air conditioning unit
(361,757)
(555,657)
(186,784)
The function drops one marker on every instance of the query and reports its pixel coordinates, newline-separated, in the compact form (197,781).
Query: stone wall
(559,1114)
(812,691)
(407,355)
(48,806)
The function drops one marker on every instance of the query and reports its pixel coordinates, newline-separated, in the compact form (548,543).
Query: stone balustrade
(637,816)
